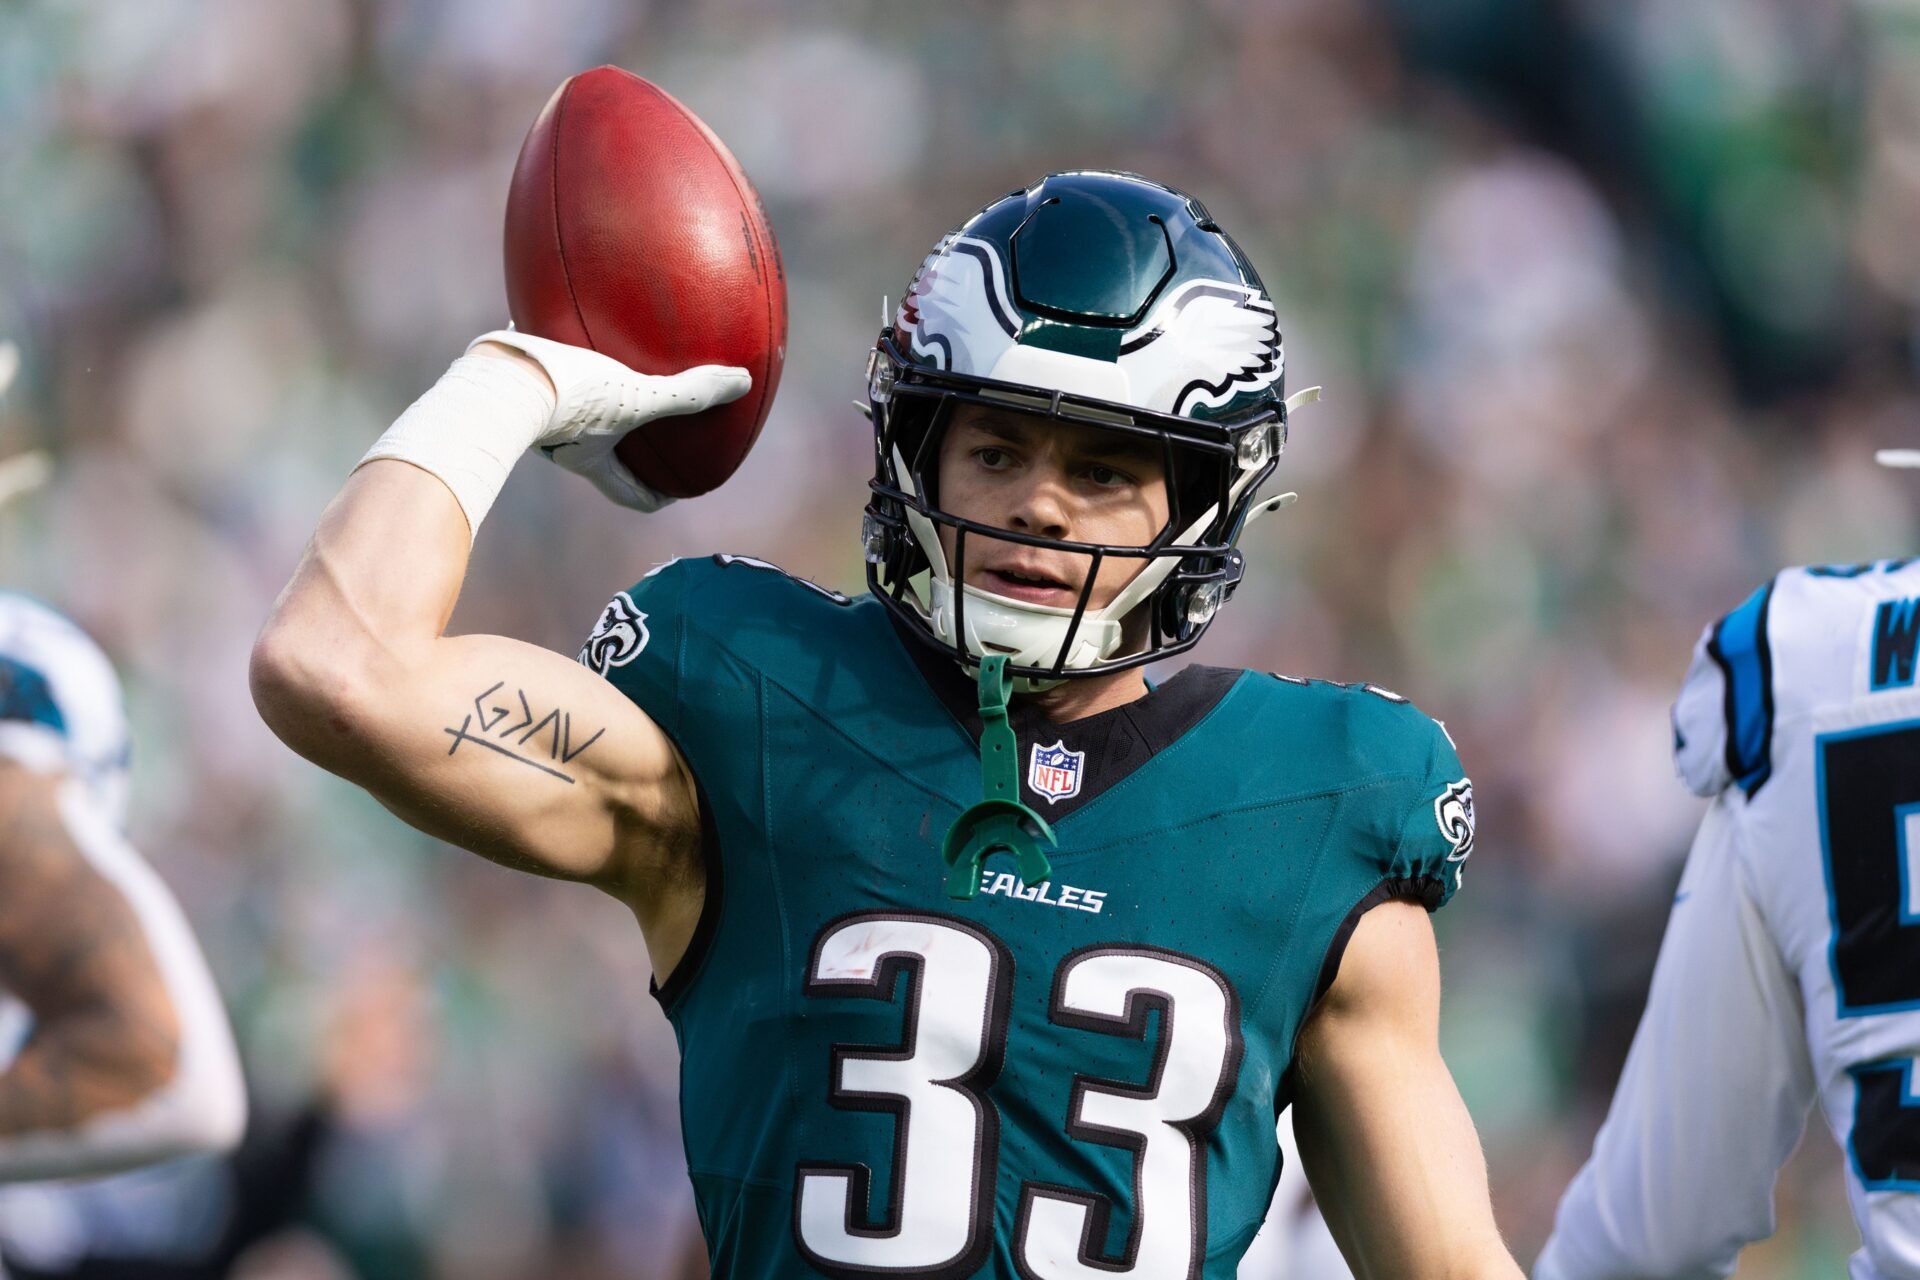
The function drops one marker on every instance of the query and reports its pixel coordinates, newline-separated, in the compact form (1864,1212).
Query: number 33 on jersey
(879,1080)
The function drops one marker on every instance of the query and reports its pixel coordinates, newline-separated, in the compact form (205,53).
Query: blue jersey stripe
(25,695)
(1740,647)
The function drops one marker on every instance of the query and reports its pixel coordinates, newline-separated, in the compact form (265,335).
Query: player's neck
(1078,699)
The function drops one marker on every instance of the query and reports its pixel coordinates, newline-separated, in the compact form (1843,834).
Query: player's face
(1057,480)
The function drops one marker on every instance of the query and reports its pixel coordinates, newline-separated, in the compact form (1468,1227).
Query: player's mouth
(1032,583)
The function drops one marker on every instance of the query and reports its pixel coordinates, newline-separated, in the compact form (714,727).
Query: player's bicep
(523,756)
(1385,1139)
(1713,1097)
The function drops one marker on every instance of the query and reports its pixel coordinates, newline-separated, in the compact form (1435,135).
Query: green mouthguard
(1000,823)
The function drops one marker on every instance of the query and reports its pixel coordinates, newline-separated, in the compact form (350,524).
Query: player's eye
(993,458)
(1105,477)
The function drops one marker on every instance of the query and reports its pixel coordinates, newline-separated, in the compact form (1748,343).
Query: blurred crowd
(1612,301)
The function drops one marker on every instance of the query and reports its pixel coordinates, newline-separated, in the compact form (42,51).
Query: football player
(117,1051)
(985,956)
(1790,969)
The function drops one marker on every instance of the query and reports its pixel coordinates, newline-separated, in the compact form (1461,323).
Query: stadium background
(1612,300)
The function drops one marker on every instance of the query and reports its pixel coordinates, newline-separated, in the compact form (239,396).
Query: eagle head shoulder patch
(1453,810)
(618,637)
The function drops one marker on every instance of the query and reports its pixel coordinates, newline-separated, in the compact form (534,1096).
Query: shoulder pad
(1376,723)
(753,562)
(714,591)
(60,701)
(54,675)
(1810,637)
(1723,716)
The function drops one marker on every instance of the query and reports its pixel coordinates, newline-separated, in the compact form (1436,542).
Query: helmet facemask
(1186,571)
(1104,301)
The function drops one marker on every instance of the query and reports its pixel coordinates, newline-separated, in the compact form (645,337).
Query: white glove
(485,411)
(599,400)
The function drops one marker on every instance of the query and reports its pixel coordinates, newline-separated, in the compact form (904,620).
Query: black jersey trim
(1116,743)
(700,946)
(1425,890)
(1428,891)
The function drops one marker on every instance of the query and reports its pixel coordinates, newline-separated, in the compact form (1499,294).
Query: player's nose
(1040,504)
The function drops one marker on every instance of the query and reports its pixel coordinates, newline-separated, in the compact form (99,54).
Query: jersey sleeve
(701,645)
(1723,717)
(1436,833)
(1713,1097)
(689,637)
(1418,822)
(638,640)
(1407,822)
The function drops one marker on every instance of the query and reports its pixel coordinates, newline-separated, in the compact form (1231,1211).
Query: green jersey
(1075,1079)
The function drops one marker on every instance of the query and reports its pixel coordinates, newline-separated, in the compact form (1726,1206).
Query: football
(632,230)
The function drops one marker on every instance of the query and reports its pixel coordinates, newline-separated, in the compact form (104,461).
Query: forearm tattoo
(505,723)
(105,1032)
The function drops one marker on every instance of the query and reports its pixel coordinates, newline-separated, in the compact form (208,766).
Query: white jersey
(1791,964)
(60,703)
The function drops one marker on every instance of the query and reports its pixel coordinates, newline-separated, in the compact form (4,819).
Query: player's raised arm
(1387,1144)
(130,1059)
(511,750)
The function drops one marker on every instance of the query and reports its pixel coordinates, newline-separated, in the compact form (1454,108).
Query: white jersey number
(1111,990)
(938,1218)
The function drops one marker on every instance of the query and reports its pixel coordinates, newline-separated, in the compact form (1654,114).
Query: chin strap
(1000,823)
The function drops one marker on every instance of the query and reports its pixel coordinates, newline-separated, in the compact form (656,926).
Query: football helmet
(1093,298)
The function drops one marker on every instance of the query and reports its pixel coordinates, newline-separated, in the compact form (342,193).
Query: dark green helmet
(1095,298)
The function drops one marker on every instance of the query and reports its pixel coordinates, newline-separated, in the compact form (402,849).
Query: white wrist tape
(470,428)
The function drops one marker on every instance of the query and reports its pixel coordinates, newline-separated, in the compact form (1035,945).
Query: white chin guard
(1030,635)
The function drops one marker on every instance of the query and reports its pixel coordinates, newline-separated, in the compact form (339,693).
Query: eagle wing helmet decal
(956,313)
(1207,343)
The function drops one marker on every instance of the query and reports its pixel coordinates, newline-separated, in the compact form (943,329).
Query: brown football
(632,230)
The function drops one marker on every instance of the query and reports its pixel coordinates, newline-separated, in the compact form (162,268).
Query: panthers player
(1791,964)
(126,1057)
(117,1051)
(985,956)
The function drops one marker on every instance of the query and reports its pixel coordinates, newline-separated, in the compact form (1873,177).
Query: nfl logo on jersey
(1054,771)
